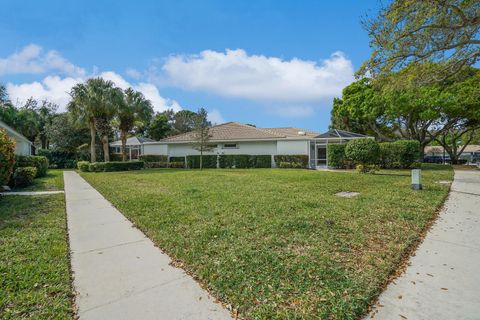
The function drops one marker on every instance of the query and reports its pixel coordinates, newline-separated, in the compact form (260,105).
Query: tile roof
(229,131)
(293,132)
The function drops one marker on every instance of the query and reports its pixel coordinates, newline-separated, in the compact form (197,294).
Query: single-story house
(238,138)
(134,146)
(23,146)
(471,153)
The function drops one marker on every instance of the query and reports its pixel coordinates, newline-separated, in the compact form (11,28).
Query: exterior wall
(158,149)
(250,147)
(293,147)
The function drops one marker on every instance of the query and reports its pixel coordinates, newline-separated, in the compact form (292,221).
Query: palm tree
(94,103)
(82,112)
(133,108)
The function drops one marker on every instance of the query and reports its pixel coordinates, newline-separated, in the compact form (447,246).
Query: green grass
(278,244)
(34,266)
(52,181)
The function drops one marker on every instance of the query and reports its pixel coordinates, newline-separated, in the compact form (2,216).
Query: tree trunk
(124,145)
(422,151)
(106,151)
(201,159)
(93,156)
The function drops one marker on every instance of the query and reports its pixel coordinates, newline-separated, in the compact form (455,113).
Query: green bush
(124,166)
(399,154)
(59,159)
(39,162)
(176,164)
(363,151)
(261,161)
(294,165)
(157,164)
(83,166)
(301,160)
(411,152)
(176,159)
(24,176)
(153,158)
(336,156)
(367,168)
(7,157)
(208,161)
(96,167)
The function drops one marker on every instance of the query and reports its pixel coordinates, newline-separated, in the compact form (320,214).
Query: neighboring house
(23,146)
(471,154)
(237,138)
(134,146)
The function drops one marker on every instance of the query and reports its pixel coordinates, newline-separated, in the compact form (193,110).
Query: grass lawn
(34,265)
(52,181)
(278,244)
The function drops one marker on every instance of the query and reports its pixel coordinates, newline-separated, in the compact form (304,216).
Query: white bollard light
(417,179)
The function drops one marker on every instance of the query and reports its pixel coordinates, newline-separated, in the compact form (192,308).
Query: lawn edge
(408,253)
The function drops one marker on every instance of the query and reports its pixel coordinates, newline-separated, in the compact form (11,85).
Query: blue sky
(271,63)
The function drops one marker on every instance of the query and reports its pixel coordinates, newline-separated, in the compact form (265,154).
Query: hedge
(363,151)
(39,162)
(208,161)
(116,157)
(176,164)
(24,176)
(59,159)
(83,166)
(399,154)
(336,156)
(124,166)
(176,159)
(97,167)
(153,158)
(300,160)
(295,165)
(244,161)
(411,152)
(156,164)
(7,157)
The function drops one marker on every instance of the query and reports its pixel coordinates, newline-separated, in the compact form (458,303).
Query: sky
(272,63)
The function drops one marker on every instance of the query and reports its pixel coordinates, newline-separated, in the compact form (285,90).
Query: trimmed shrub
(59,159)
(153,158)
(157,164)
(411,152)
(294,165)
(24,176)
(176,164)
(83,166)
(7,157)
(336,156)
(123,166)
(261,161)
(208,161)
(367,168)
(363,151)
(301,160)
(176,159)
(96,167)
(39,162)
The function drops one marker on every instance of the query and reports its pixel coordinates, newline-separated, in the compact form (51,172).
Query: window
(230,146)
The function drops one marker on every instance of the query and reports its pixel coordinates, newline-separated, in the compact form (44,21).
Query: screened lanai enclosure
(134,147)
(318,145)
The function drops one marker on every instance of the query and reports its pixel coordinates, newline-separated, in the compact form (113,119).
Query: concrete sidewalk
(443,279)
(118,272)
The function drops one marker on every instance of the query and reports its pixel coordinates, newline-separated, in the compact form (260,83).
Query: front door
(321,156)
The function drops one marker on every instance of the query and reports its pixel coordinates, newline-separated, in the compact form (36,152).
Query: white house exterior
(237,138)
(23,146)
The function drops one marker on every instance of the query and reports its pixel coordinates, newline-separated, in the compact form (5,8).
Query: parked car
(436,159)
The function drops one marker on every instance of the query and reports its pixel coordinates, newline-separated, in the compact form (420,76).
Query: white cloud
(56,89)
(133,73)
(235,73)
(33,60)
(215,117)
